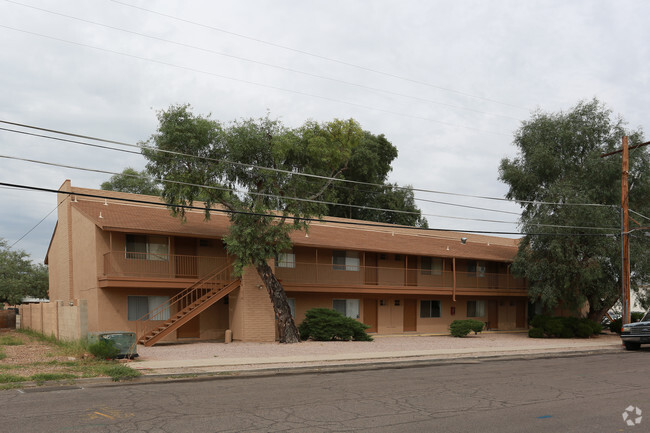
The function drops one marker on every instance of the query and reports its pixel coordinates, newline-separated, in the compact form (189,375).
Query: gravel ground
(204,350)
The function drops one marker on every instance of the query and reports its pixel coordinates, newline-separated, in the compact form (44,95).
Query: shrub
(460,328)
(476,325)
(323,324)
(536,333)
(615,325)
(103,349)
(564,327)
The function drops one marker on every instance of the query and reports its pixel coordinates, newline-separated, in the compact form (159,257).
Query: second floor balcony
(123,264)
(327,274)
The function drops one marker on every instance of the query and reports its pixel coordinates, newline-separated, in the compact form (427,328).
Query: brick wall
(251,311)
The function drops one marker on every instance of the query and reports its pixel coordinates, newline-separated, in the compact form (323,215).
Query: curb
(160,378)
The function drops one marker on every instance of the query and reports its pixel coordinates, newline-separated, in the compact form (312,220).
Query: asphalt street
(573,394)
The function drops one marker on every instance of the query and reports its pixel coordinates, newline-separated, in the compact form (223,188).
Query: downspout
(453,267)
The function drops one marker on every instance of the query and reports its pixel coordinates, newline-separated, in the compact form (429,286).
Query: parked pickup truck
(636,334)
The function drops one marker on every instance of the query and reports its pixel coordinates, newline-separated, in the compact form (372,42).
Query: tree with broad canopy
(567,257)
(19,277)
(264,206)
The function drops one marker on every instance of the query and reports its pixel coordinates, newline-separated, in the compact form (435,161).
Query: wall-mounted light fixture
(463,241)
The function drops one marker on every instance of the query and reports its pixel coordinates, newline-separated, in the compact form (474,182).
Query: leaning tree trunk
(286,326)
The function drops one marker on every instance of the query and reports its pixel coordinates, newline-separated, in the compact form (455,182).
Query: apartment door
(521,313)
(371,268)
(410,315)
(191,329)
(411,270)
(370,314)
(493,315)
(185,259)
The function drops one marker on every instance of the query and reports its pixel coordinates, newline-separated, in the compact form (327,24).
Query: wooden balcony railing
(149,265)
(326,274)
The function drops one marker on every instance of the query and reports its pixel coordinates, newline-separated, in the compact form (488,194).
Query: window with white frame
(146,247)
(475,308)
(345,260)
(286,260)
(347,307)
(429,309)
(138,306)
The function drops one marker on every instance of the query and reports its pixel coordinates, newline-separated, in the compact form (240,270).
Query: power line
(364,68)
(292,198)
(293,218)
(220,53)
(311,175)
(199,157)
(637,213)
(255,83)
(52,164)
(37,224)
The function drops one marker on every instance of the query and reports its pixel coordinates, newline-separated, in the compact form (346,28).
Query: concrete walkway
(301,358)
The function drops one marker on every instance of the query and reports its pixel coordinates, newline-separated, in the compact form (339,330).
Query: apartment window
(430,266)
(146,247)
(475,308)
(286,260)
(429,309)
(347,307)
(476,267)
(345,260)
(138,306)
(480,269)
(292,306)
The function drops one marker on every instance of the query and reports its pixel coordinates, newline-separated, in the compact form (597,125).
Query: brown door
(370,314)
(521,313)
(191,329)
(493,315)
(411,270)
(410,315)
(185,257)
(371,268)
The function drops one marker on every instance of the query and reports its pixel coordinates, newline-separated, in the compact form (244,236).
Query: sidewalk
(220,358)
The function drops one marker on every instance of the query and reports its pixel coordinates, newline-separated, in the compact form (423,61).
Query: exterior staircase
(185,306)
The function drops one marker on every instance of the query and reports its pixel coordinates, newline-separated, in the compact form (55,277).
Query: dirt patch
(33,357)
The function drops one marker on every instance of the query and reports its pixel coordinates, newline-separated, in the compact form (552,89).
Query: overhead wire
(295,218)
(273,196)
(220,53)
(330,59)
(306,174)
(36,225)
(255,83)
(195,156)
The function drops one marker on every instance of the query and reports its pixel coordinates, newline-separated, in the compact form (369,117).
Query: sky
(447,82)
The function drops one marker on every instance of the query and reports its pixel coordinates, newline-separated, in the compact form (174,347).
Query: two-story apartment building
(142,269)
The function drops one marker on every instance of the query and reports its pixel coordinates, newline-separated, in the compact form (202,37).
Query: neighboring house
(129,259)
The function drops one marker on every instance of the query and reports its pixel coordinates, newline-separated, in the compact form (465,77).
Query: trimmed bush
(536,333)
(476,325)
(323,324)
(460,328)
(563,327)
(104,349)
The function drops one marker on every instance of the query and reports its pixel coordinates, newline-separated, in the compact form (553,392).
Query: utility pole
(625,227)
(625,233)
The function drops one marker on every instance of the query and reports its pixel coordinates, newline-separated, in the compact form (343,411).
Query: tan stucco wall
(60,319)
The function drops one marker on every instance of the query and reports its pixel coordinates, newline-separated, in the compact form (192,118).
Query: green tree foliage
(133,181)
(19,277)
(259,202)
(559,161)
(370,163)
